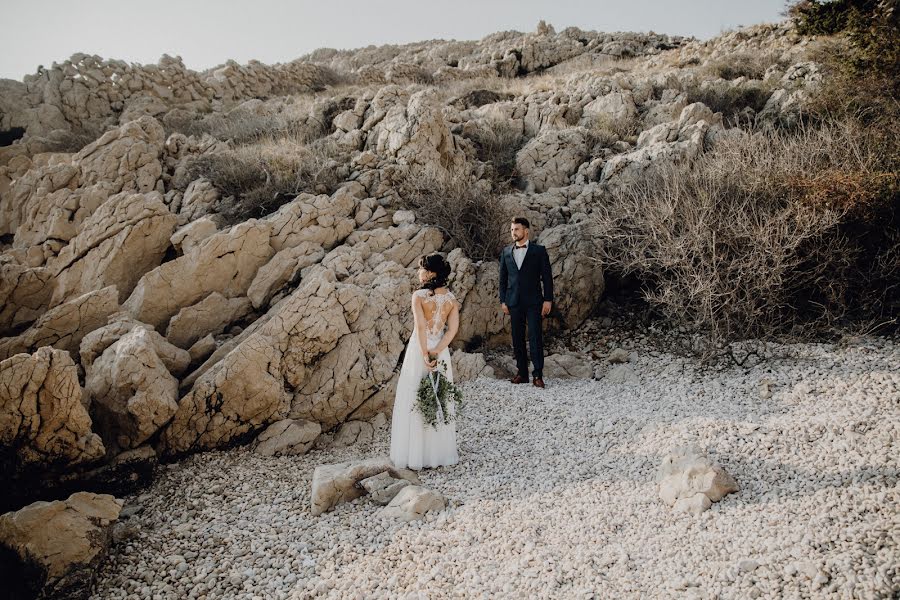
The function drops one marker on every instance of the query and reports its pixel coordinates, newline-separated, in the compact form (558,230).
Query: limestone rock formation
(62,543)
(43,423)
(132,391)
(64,327)
(288,436)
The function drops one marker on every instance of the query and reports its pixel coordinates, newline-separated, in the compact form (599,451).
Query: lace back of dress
(435,325)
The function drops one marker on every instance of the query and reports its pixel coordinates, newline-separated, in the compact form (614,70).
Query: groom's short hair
(522,221)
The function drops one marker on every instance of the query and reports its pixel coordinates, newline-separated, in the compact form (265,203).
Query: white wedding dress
(414,444)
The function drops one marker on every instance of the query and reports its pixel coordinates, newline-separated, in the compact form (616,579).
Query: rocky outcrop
(43,424)
(61,544)
(63,327)
(225,263)
(209,316)
(550,159)
(132,391)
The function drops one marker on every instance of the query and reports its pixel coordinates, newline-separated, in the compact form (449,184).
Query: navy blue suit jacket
(530,285)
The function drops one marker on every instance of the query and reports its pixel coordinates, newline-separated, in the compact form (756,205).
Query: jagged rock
(42,419)
(61,543)
(225,262)
(209,316)
(186,238)
(467,366)
(615,111)
(551,158)
(24,294)
(127,156)
(687,473)
(199,198)
(353,432)
(281,269)
(382,488)
(336,483)
(124,238)
(665,144)
(414,131)
(202,348)
(412,502)
(288,436)
(321,220)
(94,343)
(63,327)
(131,389)
(577,277)
(618,356)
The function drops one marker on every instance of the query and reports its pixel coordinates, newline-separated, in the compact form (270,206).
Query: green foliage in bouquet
(427,401)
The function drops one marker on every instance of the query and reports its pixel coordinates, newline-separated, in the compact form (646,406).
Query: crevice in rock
(11,135)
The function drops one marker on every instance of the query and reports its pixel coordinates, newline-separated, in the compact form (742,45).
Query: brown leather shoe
(518,379)
(538,382)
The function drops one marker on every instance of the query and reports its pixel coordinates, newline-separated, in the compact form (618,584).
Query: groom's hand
(505,308)
(545,309)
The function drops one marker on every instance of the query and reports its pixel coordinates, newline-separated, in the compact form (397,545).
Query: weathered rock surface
(132,391)
(468,366)
(209,316)
(225,262)
(337,483)
(412,503)
(61,543)
(382,488)
(43,423)
(288,436)
(64,327)
(551,158)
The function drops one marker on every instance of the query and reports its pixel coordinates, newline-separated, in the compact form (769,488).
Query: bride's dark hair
(437,264)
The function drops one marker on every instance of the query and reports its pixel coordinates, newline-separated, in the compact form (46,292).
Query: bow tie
(518,247)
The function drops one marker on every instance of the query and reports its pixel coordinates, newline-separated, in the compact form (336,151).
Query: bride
(414,444)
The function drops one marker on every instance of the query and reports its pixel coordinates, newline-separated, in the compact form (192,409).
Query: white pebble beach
(555,496)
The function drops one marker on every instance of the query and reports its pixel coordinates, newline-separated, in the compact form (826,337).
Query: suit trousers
(530,316)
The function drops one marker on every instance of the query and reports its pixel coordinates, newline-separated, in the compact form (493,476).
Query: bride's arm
(452,329)
(419,316)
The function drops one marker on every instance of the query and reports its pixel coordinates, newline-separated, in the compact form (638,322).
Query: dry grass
(474,217)
(497,143)
(257,179)
(757,238)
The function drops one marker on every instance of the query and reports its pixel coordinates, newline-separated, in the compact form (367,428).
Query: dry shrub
(466,210)
(256,180)
(744,64)
(761,236)
(733,101)
(607,130)
(497,143)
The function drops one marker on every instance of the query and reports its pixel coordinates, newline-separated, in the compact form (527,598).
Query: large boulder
(225,262)
(64,326)
(468,366)
(124,238)
(550,159)
(209,316)
(128,156)
(132,391)
(24,294)
(43,424)
(60,544)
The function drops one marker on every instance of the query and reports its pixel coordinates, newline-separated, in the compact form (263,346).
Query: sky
(206,33)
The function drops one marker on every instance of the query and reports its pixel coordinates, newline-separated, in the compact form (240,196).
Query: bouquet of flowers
(434,396)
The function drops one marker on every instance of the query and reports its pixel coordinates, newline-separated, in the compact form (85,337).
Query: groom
(526,295)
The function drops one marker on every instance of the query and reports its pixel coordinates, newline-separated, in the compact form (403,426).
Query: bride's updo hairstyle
(437,264)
